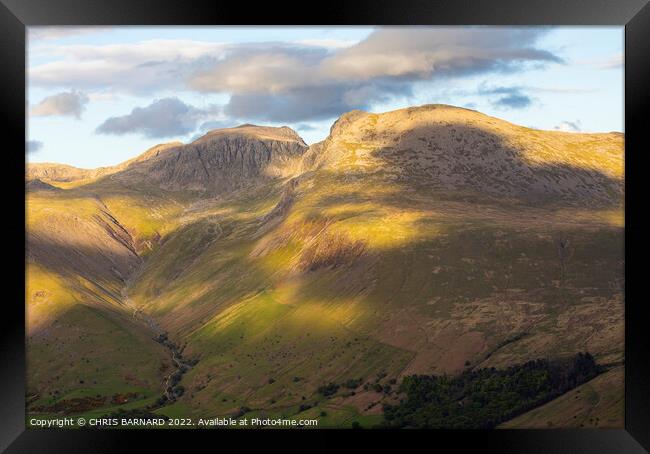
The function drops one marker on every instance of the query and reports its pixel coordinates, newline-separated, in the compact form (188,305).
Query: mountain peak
(282,133)
(220,161)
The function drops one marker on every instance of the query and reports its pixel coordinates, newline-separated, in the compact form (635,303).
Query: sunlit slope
(84,349)
(402,247)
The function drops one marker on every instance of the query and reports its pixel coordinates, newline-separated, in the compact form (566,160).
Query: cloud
(419,52)
(514,101)
(167,117)
(569,126)
(70,103)
(300,80)
(33,146)
(310,103)
(506,97)
(392,53)
(291,83)
(135,68)
(271,69)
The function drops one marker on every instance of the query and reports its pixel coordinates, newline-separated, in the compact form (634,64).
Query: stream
(181,365)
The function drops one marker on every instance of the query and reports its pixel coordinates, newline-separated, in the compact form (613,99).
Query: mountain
(220,161)
(428,240)
(59,172)
(463,150)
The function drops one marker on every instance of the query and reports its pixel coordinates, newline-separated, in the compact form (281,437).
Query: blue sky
(98,96)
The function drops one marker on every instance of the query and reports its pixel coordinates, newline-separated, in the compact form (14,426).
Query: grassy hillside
(422,241)
(461,291)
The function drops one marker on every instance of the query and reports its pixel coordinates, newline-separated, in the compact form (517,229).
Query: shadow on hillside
(98,274)
(466,163)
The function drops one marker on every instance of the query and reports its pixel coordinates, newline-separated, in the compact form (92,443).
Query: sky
(97,96)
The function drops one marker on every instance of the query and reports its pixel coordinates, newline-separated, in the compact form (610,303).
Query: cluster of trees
(377,387)
(482,399)
(328,390)
(353,383)
(331,388)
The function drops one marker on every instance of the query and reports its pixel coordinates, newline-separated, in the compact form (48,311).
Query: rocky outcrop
(222,160)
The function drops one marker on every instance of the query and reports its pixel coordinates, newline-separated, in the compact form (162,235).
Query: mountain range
(247,273)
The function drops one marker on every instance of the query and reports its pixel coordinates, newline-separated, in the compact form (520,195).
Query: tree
(328,390)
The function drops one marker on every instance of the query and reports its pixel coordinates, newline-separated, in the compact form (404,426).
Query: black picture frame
(15,15)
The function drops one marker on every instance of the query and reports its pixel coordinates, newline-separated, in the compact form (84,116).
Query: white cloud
(70,103)
(141,68)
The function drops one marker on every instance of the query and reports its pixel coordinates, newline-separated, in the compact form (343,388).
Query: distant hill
(53,172)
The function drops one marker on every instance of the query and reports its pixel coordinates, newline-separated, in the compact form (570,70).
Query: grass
(73,359)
